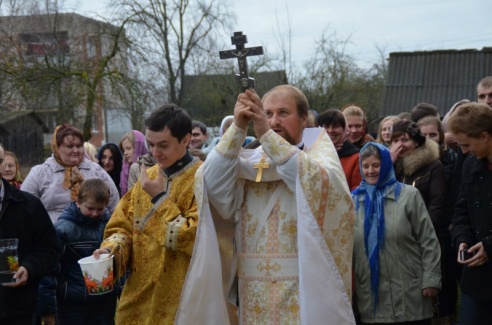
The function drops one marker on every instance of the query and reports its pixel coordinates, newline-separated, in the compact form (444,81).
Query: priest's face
(281,110)
(166,148)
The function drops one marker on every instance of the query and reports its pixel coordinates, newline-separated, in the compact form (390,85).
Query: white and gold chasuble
(287,238)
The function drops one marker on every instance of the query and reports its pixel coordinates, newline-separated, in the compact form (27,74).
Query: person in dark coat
(417,164)
(80,230)
(471,229)
(432,128)
(24,217)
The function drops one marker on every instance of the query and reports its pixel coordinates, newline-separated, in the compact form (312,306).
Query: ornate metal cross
(260,165)
(241,53)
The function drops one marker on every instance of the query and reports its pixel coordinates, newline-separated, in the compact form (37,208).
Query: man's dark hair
(200,125)
(172,117)
(331,117)
(422,110)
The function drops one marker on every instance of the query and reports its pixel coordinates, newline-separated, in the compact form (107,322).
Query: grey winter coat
(45,182)
(409,261)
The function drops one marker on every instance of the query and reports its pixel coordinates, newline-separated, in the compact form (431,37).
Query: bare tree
(331,78)
(327,71)
(284,35)
(50,71)
(169,34)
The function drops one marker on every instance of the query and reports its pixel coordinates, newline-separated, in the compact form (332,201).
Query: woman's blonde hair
(393,118)
(91,151)
(353,110)
(18,177)
(130,136)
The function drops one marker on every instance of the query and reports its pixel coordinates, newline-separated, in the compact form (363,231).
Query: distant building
(22,133)
(36,44)
(438,77)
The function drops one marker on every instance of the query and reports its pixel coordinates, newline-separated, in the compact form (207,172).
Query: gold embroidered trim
(231,142)
(139,222)
(277,148)
(185,168)
(173,227)
(268,267)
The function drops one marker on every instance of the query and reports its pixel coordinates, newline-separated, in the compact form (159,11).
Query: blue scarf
(374,210)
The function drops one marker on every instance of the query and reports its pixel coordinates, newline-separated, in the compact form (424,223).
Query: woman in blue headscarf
(396,251)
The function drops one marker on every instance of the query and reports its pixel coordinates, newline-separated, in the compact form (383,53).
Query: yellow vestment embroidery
(157,267)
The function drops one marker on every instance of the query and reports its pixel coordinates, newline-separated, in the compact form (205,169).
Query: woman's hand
(430,292)
(20,278)
(395,150)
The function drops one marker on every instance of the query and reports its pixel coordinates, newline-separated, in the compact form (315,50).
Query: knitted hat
(411,128)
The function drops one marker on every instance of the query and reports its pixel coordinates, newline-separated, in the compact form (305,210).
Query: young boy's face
(91,208)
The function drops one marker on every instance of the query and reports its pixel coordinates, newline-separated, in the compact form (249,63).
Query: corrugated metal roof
(438,77)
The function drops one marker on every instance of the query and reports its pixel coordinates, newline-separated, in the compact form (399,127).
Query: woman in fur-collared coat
(417,164)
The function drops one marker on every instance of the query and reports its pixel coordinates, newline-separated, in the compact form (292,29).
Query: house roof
(211,97)
(6,118)
(440,77)
(44,22)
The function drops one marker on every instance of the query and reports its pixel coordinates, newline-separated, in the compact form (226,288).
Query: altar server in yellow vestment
(153,227)
(275,230)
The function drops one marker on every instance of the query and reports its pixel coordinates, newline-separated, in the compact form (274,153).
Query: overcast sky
(393,25)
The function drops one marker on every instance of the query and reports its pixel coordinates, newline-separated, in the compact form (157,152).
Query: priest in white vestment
(275,232)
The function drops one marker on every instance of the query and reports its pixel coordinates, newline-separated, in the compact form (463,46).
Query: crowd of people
(311,221)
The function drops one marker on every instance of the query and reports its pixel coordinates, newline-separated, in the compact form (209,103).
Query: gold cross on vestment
(260,165)
(268,267)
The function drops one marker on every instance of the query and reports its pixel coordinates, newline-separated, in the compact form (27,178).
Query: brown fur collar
(420,157)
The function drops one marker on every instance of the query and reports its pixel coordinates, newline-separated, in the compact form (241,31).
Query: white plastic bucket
(98,274)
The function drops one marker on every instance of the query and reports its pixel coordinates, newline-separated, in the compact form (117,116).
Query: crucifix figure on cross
(241,53)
